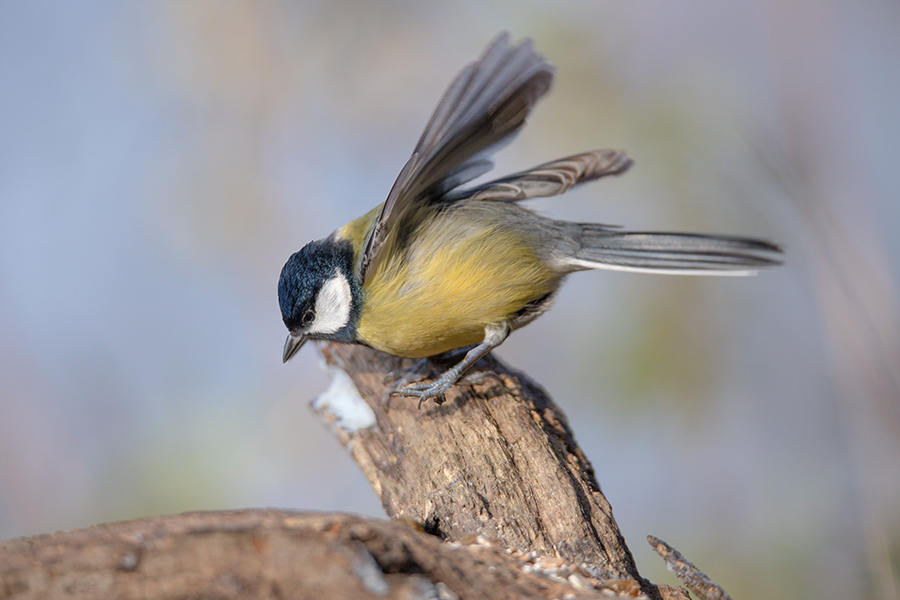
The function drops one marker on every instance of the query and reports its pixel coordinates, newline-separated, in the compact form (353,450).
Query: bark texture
(496,459)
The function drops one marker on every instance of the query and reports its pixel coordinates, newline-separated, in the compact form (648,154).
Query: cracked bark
(496,459)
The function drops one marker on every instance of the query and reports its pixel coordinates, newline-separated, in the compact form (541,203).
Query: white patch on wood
(343,402)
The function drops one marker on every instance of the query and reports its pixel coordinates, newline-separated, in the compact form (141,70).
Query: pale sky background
(159,161)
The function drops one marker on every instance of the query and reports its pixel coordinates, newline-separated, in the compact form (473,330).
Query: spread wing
(552,178)
(484,107)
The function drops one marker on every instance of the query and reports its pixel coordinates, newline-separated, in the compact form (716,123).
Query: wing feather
(484,107)
(552,178)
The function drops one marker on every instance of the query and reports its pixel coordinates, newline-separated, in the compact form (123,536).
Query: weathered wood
(497,459)
(695,580)
(279,554)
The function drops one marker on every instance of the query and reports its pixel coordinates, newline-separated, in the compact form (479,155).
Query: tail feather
(671,253)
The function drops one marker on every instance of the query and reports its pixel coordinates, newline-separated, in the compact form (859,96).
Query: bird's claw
(408,383)
(400,379)
(425,391)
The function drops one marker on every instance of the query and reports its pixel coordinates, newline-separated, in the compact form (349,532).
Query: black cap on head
(303,275)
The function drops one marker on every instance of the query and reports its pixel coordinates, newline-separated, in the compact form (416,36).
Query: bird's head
(318,295)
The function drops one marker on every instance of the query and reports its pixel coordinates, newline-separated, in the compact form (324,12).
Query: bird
(442,269)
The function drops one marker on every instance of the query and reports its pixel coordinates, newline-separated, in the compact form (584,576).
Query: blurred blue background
(159,161)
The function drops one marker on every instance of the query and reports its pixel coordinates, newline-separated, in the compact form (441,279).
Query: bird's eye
(308,317)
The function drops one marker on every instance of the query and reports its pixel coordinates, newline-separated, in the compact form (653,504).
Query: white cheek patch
(332,305)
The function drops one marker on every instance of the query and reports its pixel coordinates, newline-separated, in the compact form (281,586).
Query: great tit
(438,267)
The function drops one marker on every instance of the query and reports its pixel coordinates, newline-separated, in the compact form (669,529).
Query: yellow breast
(464,269)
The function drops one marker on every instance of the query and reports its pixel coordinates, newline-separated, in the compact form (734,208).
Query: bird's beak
(291,345)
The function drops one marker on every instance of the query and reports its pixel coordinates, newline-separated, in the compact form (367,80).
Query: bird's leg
(402,377)
(423,369)
(493,337)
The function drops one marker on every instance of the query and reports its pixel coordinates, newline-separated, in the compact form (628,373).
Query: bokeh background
(159,161)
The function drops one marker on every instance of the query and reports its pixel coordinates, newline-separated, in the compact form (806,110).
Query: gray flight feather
(552,178)
(601,247)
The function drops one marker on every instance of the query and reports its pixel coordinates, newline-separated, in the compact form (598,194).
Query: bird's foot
(408,384)
(424,391)
(402,378)
(437,388)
